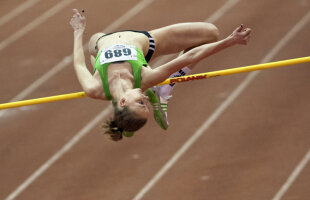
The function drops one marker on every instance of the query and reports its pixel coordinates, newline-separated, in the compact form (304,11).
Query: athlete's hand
(78,20)
(241,35)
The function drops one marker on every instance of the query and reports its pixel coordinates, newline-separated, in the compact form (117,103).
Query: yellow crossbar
(168,81)
(42,100)
(237,70)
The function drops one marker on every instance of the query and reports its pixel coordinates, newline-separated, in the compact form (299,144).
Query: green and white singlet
(117,53)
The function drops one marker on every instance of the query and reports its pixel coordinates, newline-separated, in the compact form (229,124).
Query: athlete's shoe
(159,107)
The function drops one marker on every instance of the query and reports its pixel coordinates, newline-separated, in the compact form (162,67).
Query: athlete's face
(136,101)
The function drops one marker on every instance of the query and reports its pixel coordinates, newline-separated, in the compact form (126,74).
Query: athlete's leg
(159,97)
(183,36)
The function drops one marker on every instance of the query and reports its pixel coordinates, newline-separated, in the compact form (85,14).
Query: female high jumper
(122,73)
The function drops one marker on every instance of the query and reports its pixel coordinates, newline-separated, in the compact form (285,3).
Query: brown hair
(124,120)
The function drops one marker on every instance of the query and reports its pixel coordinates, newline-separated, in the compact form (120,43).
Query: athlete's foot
(159,107)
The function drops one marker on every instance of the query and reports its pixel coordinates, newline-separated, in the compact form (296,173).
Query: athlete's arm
(87,81)
(159,74)
(92,60)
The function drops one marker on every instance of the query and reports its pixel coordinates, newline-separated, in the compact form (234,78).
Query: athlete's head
(92,44)
(130,114)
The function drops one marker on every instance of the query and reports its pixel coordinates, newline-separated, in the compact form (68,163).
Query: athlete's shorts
(151,42)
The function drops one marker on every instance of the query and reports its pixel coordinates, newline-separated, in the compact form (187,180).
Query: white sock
(165,90)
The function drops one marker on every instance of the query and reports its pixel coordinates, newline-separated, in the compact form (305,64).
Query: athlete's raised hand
(78,20)
(241,35)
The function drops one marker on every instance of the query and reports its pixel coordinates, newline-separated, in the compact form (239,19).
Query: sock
(165,90)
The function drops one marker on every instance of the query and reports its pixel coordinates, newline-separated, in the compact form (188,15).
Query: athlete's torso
(129,42)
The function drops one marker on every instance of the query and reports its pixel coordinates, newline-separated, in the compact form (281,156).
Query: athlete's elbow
(91,92)
(192,56)
(214,33)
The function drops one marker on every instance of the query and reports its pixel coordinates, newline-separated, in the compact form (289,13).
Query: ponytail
(112,131)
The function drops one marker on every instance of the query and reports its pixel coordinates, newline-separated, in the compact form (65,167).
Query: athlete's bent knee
(213,31)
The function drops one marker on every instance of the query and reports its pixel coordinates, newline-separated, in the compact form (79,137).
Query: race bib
(118,52)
